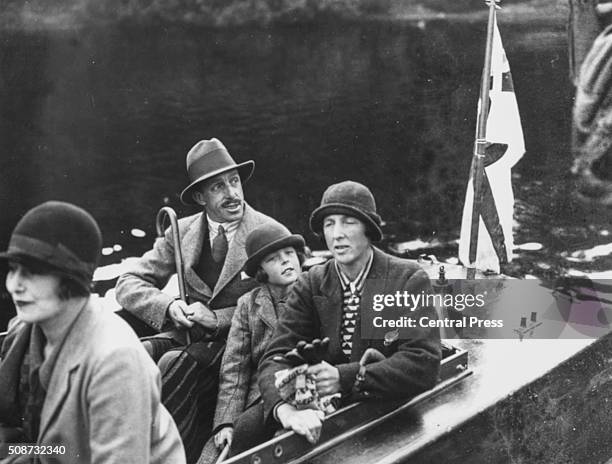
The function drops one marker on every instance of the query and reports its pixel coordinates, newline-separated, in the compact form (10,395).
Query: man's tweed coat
(138,289)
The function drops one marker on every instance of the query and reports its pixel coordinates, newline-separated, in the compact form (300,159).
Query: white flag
(505,147)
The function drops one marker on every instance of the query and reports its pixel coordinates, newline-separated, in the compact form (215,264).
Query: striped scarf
(351,298)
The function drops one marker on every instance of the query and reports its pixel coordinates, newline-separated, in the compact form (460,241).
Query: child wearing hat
(333,301)
(274,260)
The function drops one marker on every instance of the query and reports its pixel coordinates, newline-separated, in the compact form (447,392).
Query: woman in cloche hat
(274,260)
(74,378)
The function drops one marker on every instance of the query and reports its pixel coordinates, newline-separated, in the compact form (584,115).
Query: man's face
(222,197)
(346,238)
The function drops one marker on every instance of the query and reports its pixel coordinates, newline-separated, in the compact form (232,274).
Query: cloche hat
(59,235)
(352,199)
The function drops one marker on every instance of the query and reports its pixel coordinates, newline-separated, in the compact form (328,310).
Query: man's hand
(202,315)
(327,378)
(224,437)
(305,422)
(185,315)
(178,312)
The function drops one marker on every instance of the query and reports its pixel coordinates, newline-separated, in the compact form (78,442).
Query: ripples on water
(104,117)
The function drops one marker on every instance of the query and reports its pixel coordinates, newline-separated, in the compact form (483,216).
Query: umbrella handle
(178,255)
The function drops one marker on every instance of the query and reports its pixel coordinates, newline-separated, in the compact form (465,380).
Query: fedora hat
(62,237)
(209,158)
(351,199)
(266,239)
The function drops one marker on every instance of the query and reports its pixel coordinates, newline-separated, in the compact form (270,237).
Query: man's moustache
(231,203)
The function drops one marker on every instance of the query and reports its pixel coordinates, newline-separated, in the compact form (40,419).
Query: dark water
(103,118)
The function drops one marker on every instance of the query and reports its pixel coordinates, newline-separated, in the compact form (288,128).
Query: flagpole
(481,132)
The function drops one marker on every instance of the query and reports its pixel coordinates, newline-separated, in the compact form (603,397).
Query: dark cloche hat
(208,158)
(266,239)
(59,235)
(352,199)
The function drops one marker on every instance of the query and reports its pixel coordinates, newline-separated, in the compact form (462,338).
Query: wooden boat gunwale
(291,447)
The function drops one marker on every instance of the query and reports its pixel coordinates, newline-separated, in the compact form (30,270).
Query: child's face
(282,266)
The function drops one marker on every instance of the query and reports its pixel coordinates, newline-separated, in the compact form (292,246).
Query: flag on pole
(505,146)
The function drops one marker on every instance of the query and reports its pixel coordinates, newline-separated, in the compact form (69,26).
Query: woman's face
(282,267)
(347,239)
(36,296)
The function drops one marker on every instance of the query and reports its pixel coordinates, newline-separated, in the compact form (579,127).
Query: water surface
(103,117)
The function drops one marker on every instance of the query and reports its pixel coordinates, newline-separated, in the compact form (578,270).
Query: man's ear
(198,197)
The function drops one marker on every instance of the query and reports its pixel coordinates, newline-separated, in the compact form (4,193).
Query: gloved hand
(306,353)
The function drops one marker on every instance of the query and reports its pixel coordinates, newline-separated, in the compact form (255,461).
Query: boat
(537,391)
(520,399)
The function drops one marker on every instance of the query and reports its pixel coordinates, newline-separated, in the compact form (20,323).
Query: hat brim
(39,263)
(317,216)
(245,171)
(252,264)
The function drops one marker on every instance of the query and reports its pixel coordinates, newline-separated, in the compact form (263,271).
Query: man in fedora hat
(334,300)
(213,248)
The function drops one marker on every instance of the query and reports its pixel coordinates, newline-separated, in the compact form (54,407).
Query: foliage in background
(220,13)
